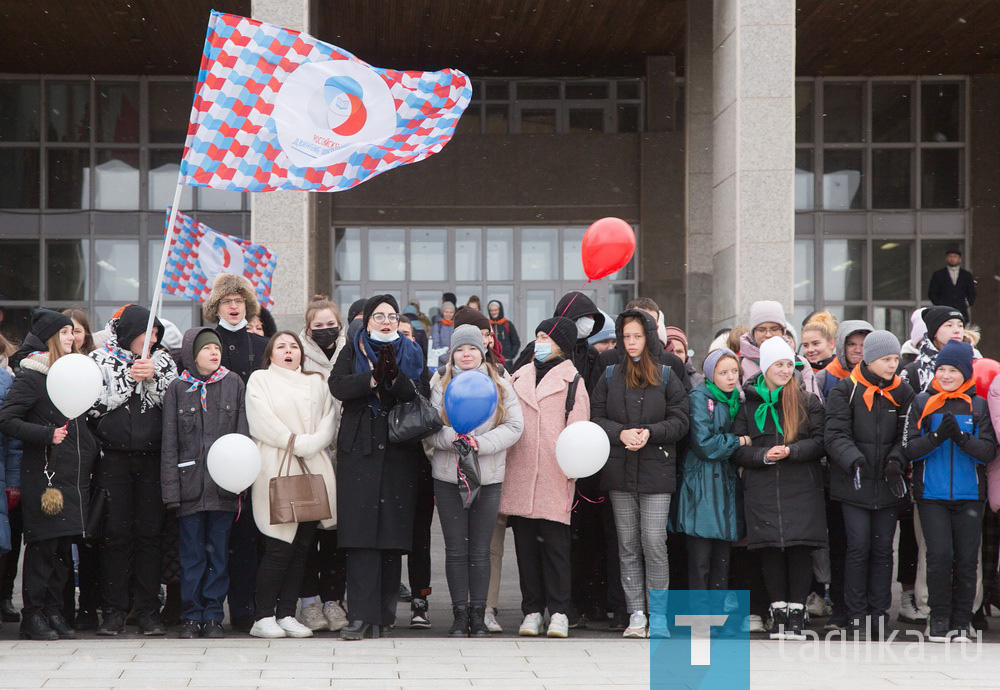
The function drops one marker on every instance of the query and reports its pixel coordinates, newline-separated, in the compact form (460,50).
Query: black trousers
(906,569)
(245,546)
(747,573)
(90,579)
(837,535)
(8,561)
(279,577)
(708,563)
(787,573)
(326,568)
(543,564)
(951,534)
(48,563)
(868,570)
(418,560)
(589,550)
(132,530)
(373,584)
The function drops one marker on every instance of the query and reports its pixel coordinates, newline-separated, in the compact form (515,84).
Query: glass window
(68,172)
(588,120)
(805,172)
(469,122)
(892,112)
(941,119)
(896,320)
(804,113)
(387,254)
(463,293)
(67,264)
(538,121)
(497,119)
(345,296)
(585,90)
(19,175)
(572,261)
(178,314)
(537,90)
(805,266)
(628,89)
(539,254)
(538,306)
(843,179)
(932,254)
(468,253)
(153,261)
(618,296)
(499,253)
(428,299)
(115,179)
(169,111)
(118,112)
(503,294)
(848,312)
(428,254)
(628,118)
(892,277)
(347,254)
(117,264)
(19,111)
(163,168)
(891,183)
(843,112)
(497,91)
(941,178)
(843,270)
(19,274)
(218,199)
(68,106)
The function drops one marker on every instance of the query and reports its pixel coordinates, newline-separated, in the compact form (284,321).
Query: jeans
(467,535)
(641,520)
(787,573)
(279,577)
(951,533)
(204,560)
(868,571)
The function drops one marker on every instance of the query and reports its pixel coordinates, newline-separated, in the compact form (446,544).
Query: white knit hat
(774,350)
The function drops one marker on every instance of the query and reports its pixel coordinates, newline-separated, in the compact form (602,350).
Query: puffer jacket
(853,432)
(493,440)
(189,432)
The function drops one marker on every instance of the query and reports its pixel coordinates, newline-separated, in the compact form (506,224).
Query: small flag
(278,109)
(198,253)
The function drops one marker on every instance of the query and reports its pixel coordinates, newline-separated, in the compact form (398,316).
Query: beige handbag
(300,497)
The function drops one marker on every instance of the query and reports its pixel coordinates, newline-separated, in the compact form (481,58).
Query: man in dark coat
(953,286)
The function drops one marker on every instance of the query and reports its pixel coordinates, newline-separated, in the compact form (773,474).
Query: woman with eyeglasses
(767,320)
(376,478)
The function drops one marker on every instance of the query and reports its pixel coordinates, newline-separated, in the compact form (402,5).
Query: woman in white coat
(281,401)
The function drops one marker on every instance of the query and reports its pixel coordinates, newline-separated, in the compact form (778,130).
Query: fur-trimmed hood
(230,284)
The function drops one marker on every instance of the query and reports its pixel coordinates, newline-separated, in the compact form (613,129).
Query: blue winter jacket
(10,466)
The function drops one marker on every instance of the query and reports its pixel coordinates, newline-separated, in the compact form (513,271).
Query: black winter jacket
(242,351)
(853,433)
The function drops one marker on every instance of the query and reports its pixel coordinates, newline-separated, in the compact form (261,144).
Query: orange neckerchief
(836,369)
(446,322)
(938,399)
(871,389)
(499,322)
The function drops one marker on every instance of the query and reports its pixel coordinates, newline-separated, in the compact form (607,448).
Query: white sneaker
(636,625)
(909,612)
(531,626)
(336,616)
(267,628)
(558,625)
(293,628)
(752,624)
(312,617)
(817,606)
(491,620)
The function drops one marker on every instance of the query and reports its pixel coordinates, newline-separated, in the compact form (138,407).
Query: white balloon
(74,383)
(234,462)
(582,449)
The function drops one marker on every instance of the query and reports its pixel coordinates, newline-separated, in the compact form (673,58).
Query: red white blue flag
(198,253)
(278,109)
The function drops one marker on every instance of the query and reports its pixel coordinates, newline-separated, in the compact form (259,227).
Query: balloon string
(239,505)
(461,475)
(569,498)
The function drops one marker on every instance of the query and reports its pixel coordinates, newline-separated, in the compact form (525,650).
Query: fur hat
(230,284)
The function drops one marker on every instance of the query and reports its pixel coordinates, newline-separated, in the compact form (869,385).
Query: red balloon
(608,245)
(985,370)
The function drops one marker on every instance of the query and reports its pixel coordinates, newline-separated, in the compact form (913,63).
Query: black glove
(948,428)
(894,478)
(386,369)
(856,473)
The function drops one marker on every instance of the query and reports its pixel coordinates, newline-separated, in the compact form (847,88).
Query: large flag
(278,109)
(198,253)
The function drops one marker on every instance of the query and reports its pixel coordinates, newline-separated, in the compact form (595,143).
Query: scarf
(770,399)
(938,400)
(409,357)
(196,383)
(871,389)
(542,368)
(732,399)
(925,365)
(835,368)
(446,322)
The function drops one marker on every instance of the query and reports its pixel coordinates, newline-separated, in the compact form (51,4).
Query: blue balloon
(470,400)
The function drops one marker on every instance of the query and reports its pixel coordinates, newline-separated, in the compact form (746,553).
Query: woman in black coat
(376,479)
(55,476)
(783,490)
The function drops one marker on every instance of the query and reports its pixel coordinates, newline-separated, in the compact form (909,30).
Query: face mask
(543,351)
(380,337)
(326,337)
(584,327)
(230,327)
(636,359)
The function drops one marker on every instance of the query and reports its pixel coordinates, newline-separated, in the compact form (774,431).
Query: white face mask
(230,327)
(380,337)
(584,327)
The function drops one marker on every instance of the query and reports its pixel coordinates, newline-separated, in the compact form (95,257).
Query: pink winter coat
(534,486)
(993,469)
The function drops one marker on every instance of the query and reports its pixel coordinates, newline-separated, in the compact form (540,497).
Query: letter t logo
(701,643)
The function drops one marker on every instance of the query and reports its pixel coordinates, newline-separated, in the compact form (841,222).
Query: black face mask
(326,338)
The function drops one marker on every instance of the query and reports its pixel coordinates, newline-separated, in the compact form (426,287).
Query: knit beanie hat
(449,297)
(766,311)
(372,304)
(774,350)
(607,331)
(935,317)
(708,368)
(468,315)
(918,329)
(45,323)
(562,331)
(467,334)
(448,305)
(958,354)
(674,333)
(356,308)
(206,337)
(879,344)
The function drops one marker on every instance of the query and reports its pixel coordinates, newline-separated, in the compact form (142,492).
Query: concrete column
(753,137)
(698,153)
(285,222)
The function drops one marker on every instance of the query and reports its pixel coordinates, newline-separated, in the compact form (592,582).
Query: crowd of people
(777,463)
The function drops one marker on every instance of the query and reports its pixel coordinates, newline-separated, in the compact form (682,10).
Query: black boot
(796,621)
(359,630)
(460,626)
(9,614)
(34,627)
(63,629)
(477,626)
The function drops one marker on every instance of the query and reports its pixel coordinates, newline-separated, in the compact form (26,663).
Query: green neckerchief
(732,399)
(770,399)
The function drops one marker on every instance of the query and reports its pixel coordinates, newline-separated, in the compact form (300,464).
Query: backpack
(665,372)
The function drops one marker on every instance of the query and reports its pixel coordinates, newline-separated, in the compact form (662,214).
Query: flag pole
(157,288)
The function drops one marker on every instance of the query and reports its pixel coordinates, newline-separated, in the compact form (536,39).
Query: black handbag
(413,420)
